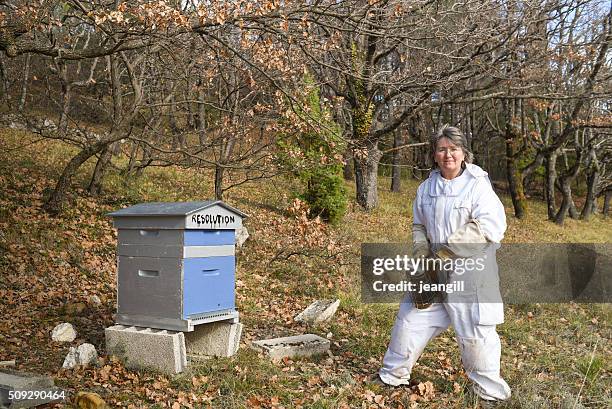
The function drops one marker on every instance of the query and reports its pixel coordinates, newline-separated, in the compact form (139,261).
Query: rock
(48,123)
(71,359)
(63,333)
(89,400)
(84,354)
(42,124)
(76,308)
(16,125)
(242,234)
(318,312)
(95,300)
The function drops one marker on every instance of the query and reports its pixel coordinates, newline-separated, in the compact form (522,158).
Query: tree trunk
(66,97)
(515,180)
(131,161)
(348,170)
(179,140)
(201,118)
(219,170)
(95,185)
(54,203)
(549,185)
(115,80)
(573,211)
(5,80)
(396,170)
(24,84)
(366,176)
(528,173)
(566,190)
(593,177)
(419,154)
(606,206)
(145,161)
(366,152)
(191,109)
(590,204)
(174,126)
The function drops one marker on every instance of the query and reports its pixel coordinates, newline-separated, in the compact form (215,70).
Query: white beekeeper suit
(442,210)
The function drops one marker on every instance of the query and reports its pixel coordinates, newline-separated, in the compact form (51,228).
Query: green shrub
(325,194)
(314,157)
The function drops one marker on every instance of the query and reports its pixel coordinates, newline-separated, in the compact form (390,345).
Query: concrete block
(289,347)
(19,381)
(161,350)
(318,312)
(214,339)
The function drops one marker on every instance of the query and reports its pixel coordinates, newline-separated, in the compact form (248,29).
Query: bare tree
(388,60)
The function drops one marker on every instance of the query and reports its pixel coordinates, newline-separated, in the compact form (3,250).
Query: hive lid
(172,209)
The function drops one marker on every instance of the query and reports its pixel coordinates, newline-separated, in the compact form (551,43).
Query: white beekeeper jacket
(442,207)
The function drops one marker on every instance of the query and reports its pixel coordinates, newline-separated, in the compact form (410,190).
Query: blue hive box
(176,264)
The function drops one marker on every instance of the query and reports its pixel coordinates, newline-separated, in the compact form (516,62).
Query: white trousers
(479,344)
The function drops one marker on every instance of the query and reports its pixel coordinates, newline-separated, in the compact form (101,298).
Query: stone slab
(147,348)
(295,346)
(318,312)
(220,339)
(20,381)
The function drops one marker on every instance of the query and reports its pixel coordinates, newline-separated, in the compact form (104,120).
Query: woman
(456,214)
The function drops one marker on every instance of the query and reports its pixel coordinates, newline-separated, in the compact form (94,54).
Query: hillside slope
(553,355)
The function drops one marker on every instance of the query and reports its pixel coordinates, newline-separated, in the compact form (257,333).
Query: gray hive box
(176,264)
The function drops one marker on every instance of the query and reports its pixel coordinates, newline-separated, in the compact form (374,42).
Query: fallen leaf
(457,388)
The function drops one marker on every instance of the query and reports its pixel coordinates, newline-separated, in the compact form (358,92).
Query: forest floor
(553,355)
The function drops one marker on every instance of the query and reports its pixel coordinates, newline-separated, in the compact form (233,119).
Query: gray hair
(456,137)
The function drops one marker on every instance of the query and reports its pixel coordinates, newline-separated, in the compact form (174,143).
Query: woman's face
(449,158)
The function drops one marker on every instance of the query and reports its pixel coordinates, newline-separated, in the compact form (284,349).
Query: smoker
(176,264)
